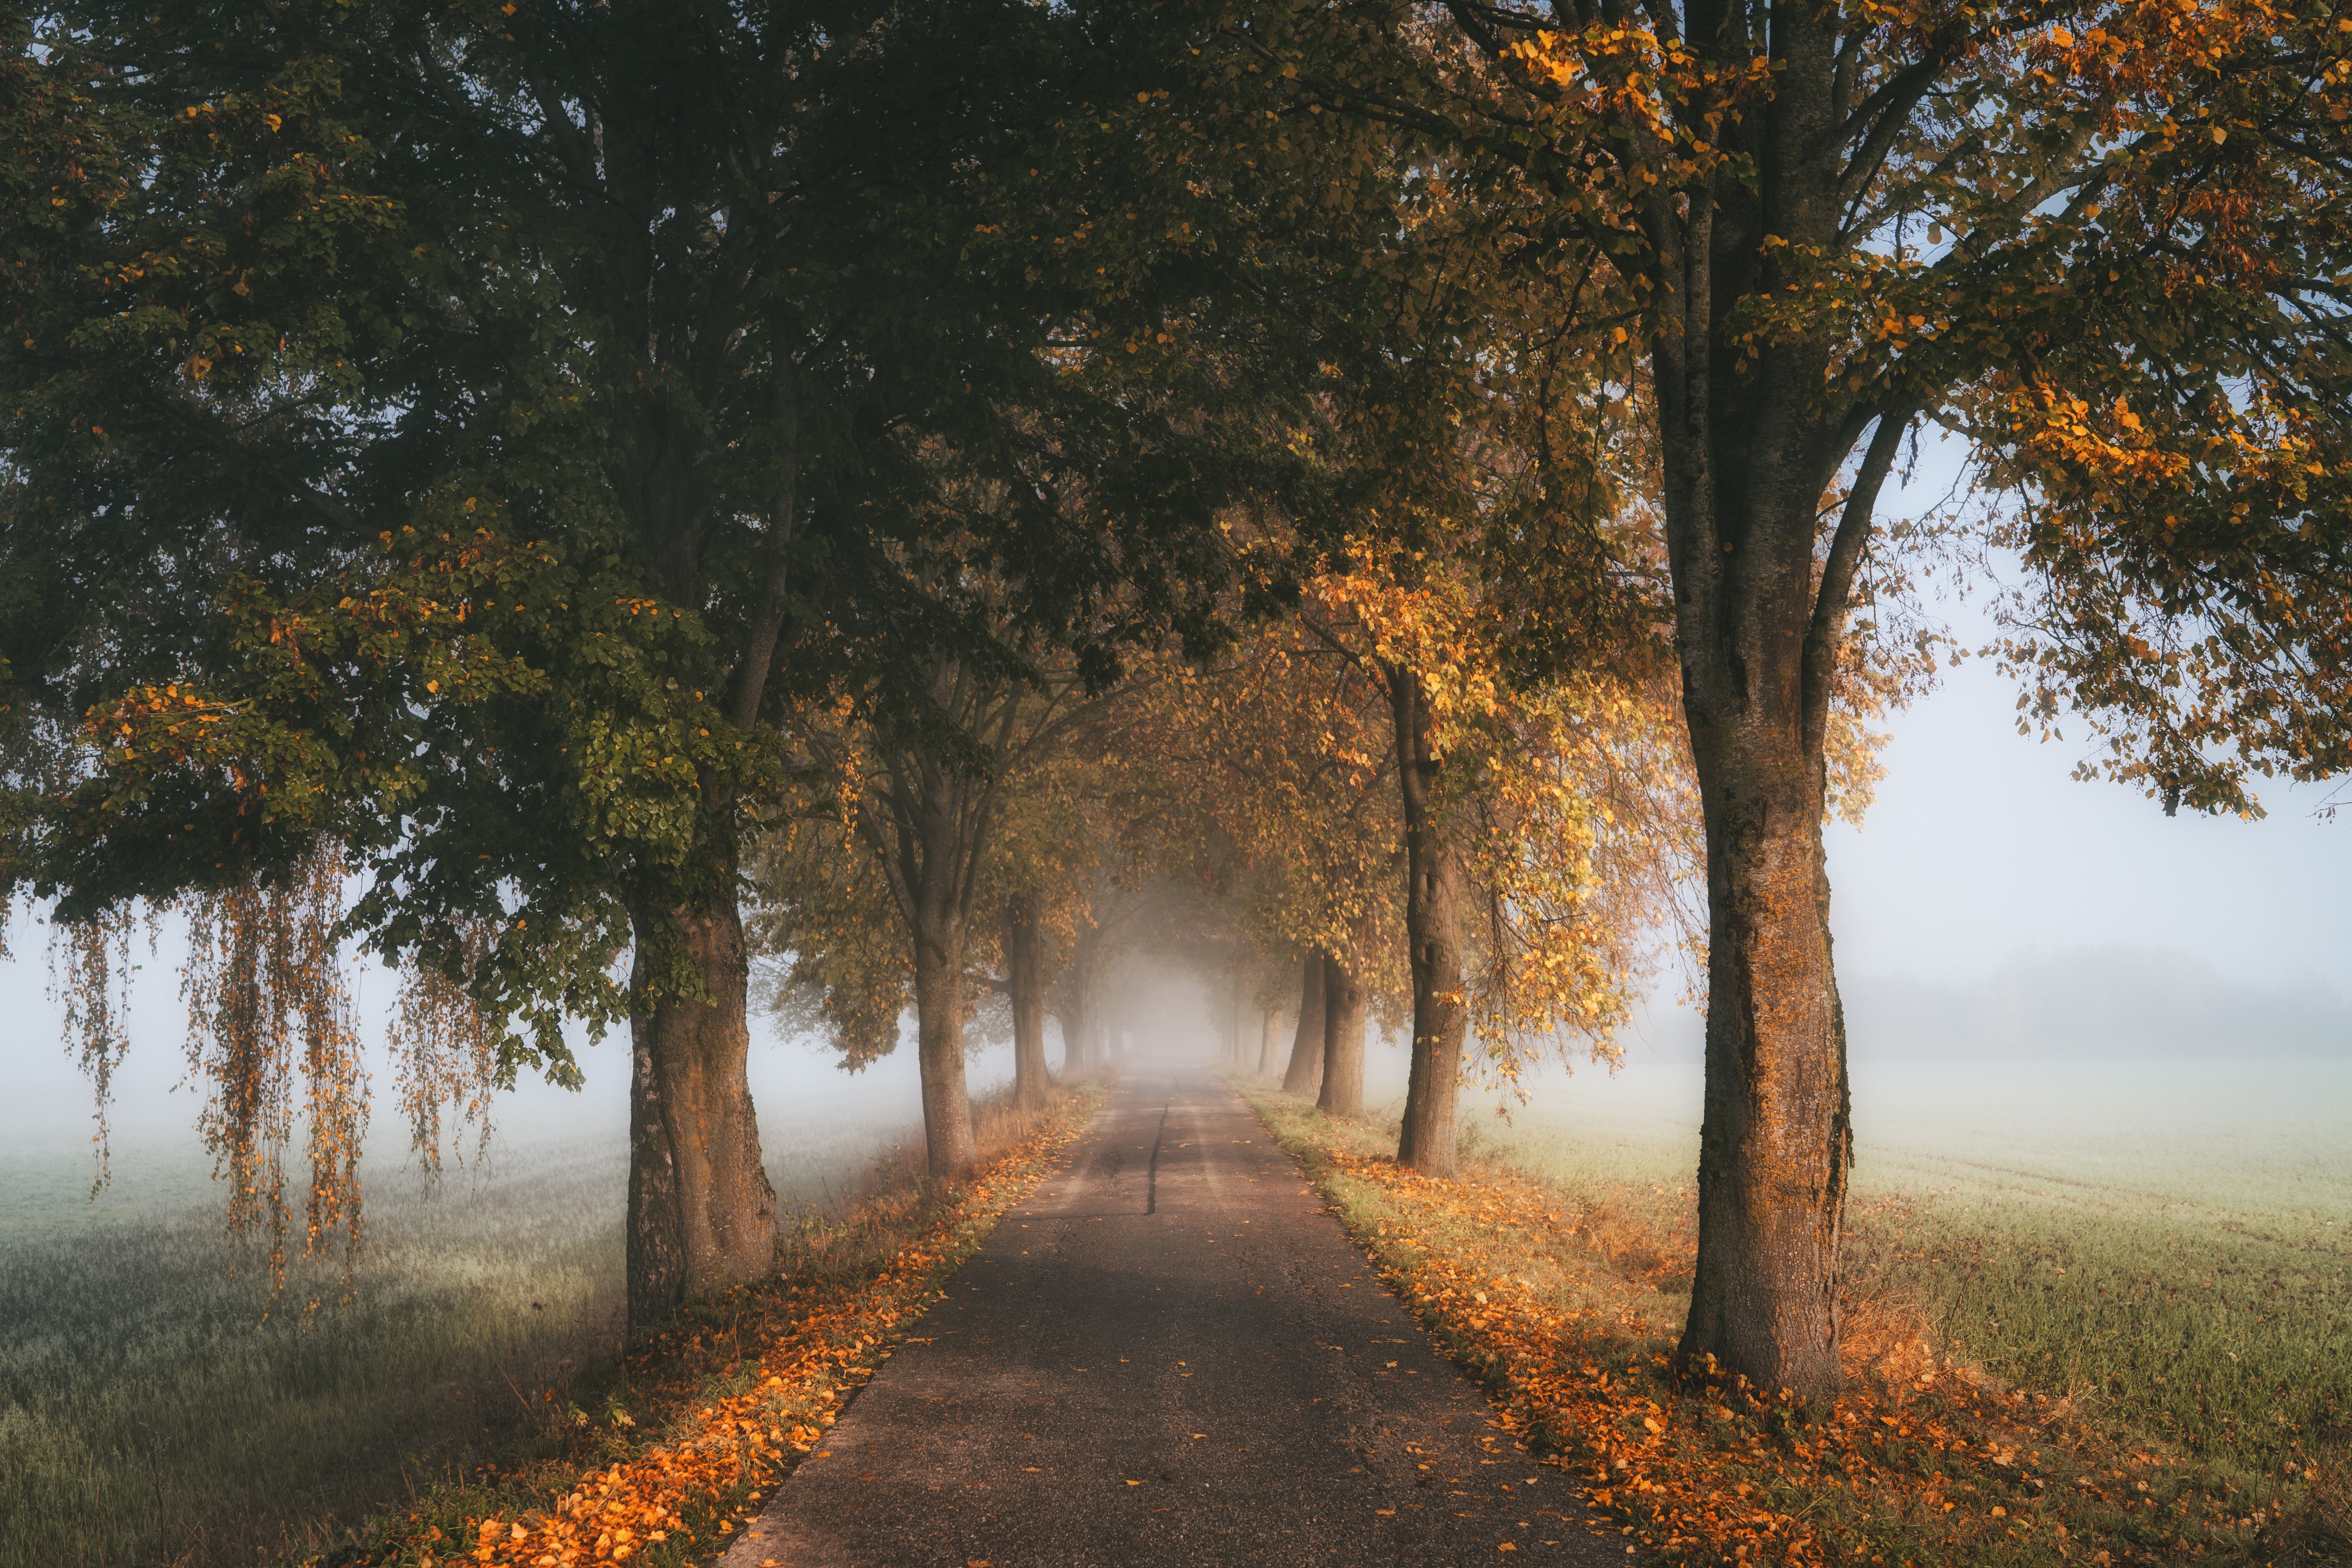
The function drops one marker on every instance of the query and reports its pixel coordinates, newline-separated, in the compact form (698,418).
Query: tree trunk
(1074,1043)
(1343,1042)
(1025,963)
(1305,1073)
(1751,442)
(1433,925)
(1776,1144)
(1269,1038)
(701,1214)
(939,1038)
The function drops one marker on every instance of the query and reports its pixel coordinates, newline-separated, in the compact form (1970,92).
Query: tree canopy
(1382,497)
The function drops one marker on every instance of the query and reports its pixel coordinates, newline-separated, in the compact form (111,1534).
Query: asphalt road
(1171,1354)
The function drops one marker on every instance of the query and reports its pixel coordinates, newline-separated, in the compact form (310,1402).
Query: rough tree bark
(1304,1075)
(1025,963)
(1343,1040)
(1433,923)
(1750,446)
(1269,1038)
(939,1043)
(701,1214)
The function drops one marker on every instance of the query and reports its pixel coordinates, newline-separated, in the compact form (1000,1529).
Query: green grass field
(154,1412)
(2170,1246)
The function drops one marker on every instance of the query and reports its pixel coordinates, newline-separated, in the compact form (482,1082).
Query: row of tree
(1404,474)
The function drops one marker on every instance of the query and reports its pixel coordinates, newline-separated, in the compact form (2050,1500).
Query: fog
(1990,908)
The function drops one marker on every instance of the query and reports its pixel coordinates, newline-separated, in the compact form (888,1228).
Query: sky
(1980,847)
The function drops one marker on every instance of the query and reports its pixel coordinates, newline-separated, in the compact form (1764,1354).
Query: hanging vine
(91,970)
(267,1001)
(444,1048)
(271,1036)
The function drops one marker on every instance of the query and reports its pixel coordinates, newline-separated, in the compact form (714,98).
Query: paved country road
(1170,1355)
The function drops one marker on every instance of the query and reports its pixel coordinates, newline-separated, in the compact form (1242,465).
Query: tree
(1819,226)
(1045,879)
(449,435)
(1304,1073)
(922,788)
(1490,571)
(1547,826)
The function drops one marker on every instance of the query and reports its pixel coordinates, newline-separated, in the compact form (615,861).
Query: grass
(2173,1248)
(691,1425)
(154,1411)
(2145,1414)
(151,1413)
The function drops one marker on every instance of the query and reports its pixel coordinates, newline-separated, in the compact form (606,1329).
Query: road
(1170,1355)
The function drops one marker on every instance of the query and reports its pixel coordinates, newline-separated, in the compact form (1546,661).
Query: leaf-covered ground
(1552,1296)
(665,1460)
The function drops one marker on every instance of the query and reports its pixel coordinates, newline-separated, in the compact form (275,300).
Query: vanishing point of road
(1170,1355)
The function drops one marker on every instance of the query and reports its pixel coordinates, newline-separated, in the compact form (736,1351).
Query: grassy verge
(1566,1298)
(157,1413)
(154,1412)
(657,1460)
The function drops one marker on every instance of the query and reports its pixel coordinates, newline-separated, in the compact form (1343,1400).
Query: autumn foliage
(738,1393)
(1922,1459)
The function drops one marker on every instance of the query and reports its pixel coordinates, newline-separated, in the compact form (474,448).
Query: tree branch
(1830,603)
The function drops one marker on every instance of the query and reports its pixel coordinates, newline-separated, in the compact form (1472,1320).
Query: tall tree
(453,434)
(1818,226)
(924,785)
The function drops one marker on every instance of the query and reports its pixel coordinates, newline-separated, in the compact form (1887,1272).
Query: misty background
(1991,910)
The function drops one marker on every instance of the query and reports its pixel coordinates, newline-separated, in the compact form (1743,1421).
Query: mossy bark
(701,1214)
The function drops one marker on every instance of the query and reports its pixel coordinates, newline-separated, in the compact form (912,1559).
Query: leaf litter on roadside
(1922,1461)
(730,1426)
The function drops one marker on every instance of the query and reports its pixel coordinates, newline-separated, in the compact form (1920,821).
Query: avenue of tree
(641,514)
